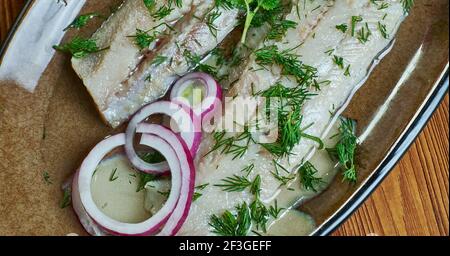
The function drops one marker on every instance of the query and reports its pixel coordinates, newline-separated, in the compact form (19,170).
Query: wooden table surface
(413,200)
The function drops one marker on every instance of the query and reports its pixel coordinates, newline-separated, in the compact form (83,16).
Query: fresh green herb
(143,39)
(355,20)
(329,52)
(67,198)
(380,4)
(383,30)
(279,29)
(47,179)
(163,12)
(237,146)
(82,20)
(80,47)
(274,211)
(255,187)
(342,27)
(260,215)
(252,7)
(339,61)
(197,193)
(290,118)
(229,224)
(248,169)
(150,4)
(240,183)
(210,19)
(153,157)
(284,180)
(144,178)
(347,70)
(288,61)
(307,174)
(345,150)
(112,176)
(364,33)
(158,60)
(407,5)
(195,62)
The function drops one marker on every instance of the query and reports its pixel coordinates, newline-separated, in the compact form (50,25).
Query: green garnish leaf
(47,179)
(79,47)
(112,176)
(342,27)
(345,150)
(252,7)
(232,224)
(67,198)
(407,5)
(82,20)
(308,179)
(150,4)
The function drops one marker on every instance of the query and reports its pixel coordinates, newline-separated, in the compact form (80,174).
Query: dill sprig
(407,5)
(112,176)
(80,47)
(284,180)
(260,215)
(342,27)
(197,193)
(345,150)
(211,19)
(247,170)
(274,211)
(229,224)
(364,33)
(355,20)
(67,198)
(47,178)
(150,4)
(159,59)
(383,30)
(288,61)
(82,20)
(307,176)
(144,178)
(237,146)
(144,38)
(252,8)
(290,118)
(279,29)
(240,183)
(196,63)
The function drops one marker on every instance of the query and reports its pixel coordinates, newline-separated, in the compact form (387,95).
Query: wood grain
(413,200)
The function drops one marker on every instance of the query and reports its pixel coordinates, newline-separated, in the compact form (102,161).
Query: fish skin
(214,167)
(137,91)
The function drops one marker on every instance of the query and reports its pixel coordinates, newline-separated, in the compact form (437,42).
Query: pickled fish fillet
(316,40)
(102,73)
(152,80)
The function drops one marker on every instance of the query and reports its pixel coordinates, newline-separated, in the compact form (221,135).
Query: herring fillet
(151,82)
(103,72)
(215,167)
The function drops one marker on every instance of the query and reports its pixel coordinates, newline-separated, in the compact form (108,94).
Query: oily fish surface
(323,36)
(151,81)
(103,73)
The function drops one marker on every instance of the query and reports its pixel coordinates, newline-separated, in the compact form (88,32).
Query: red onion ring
(212,98)
(187,122)
(181,211)
(153,224)
(86,221)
